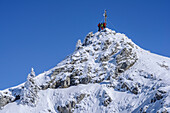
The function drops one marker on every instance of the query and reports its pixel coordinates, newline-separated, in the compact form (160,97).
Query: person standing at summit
(99,26)
(104,25)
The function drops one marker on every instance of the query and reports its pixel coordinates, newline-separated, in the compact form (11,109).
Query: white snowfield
(123,79)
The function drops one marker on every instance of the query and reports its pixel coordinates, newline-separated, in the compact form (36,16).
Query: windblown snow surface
(111,75)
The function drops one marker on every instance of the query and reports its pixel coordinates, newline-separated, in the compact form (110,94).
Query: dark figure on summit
(104,25)
(99,27)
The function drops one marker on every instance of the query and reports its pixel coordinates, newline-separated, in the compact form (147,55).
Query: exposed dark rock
(135,90)
(69,108)
(65,83)
(104,98)
(58,70)
(85,80)
(107,101)
(158,96)
(164,111)
(4,100)
(79,98)
(64,109)
(17,97)
(44,87)
(162,91)
(125,60)
(74,81)
(125,86)
(83,60)
(86,40)
(104,58)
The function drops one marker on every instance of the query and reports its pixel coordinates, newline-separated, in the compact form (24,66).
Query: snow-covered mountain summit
(106,73)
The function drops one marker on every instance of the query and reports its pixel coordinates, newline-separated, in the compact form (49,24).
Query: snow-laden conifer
(29,93)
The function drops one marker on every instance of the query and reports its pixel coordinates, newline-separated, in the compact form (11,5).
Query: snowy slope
(107,73)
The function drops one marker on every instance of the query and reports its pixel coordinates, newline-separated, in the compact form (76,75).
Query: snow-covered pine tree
(29,93)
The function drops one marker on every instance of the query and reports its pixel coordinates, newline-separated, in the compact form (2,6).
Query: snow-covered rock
(105,73)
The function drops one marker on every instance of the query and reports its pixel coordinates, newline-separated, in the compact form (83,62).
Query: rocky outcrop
(65,83)
(125,60)
(160,94)
(4,100)
(80,98)
(104,98)
(69,108)
(86,40)
(85,80)
(104,52)
(107,101)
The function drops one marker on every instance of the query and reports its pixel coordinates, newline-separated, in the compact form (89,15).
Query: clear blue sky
(41,33)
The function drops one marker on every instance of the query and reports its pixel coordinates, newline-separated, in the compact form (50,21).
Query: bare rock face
(11,95)
(135,90)
(158,96)
(107,101)
(125,86)
(80,98)
(86,40)
(69,108)
(80,67)
(58,70)
(104,98)
(4,99)
(65,83)
(85,80)
(125,60)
